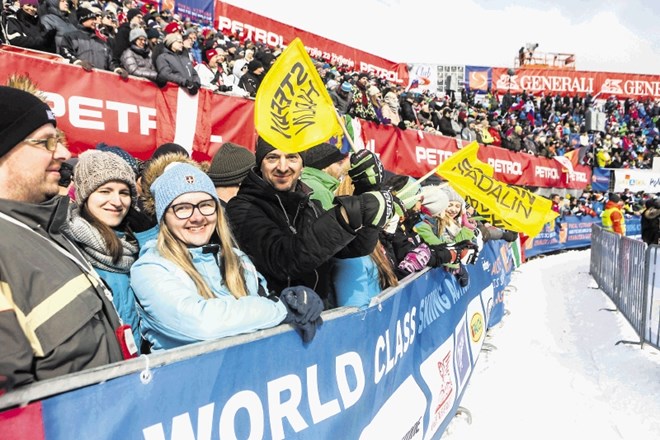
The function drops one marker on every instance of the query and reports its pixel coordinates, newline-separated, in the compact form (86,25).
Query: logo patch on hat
(50,114)
(190,179)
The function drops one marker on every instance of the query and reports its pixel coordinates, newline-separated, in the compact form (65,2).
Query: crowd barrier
(628,272)
(572,232)
(397,369)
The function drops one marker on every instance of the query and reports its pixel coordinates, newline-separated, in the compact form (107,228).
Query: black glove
(464,252)
(509,236)
(402,125)
(366,171)
(372,208)
(193,89)
(304,308)
(86,65)
(140,221)
(49,35)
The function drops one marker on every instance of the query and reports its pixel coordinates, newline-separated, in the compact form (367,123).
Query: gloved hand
(402,125)
(373,208)
(86,65)
(416,260)
(377,207)
(140,221)
(366,171)
(193,89)
(304,308)
(464,252)
(509,236)
(122,73)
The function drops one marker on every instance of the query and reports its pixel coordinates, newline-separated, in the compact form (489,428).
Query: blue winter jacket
(172,313)
(355,281)
(123,299)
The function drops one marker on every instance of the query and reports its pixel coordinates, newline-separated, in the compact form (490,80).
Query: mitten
(509,236)
(366,171)
(373,208)
(463,251)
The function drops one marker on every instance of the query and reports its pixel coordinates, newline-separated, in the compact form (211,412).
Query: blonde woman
(193,284)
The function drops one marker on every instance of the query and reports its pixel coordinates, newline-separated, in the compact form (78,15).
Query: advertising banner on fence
(636,180)
(230,19)
(572,232)
(398,370)
(562,82)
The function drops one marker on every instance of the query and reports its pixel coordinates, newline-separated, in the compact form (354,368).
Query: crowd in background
(136,39)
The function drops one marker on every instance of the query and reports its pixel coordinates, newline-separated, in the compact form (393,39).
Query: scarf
(93,246)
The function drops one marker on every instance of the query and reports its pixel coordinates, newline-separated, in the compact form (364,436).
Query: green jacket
(322,184)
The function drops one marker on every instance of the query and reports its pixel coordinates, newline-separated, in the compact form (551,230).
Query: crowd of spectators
(169,251)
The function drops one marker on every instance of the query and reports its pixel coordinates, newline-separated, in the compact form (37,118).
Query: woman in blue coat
(192,283)
(105,194)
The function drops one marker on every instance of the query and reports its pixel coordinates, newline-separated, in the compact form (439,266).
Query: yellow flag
(502,205)
(293,110)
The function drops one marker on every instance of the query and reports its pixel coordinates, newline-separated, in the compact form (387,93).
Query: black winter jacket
(176,68)
(290,238)
(24,30)
(85,45)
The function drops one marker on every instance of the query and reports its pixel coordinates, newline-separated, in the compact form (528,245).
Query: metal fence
(627,271)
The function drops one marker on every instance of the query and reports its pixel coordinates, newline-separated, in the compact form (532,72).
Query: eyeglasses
(49,143)
(184,211)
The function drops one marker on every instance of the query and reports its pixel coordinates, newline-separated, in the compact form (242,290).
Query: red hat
(211,53)
(173,27)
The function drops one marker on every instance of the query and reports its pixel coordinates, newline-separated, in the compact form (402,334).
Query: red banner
(250,26)
(93,107)
(566,82)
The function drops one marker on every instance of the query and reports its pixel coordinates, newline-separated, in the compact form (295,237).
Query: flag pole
(345,130)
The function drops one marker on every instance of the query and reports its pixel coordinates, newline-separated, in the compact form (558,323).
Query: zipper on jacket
(286,216)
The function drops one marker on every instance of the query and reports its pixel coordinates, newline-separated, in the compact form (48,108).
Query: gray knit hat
(136,33)
(177,179)
(435,200)
(230,164)
(95,168)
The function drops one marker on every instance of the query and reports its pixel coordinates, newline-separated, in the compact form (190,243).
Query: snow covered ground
(556,372)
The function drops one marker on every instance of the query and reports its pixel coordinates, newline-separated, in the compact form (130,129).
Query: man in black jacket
(55,316)
(290,238)
(88,47)
(25,30)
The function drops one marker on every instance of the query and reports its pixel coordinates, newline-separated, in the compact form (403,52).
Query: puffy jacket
(56,19)
(39,341)
(138,62)
(290,238)
(651,225)
(172,313)
(176,68)
(85,45)
(355,281)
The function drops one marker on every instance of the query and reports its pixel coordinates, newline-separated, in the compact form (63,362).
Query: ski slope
(556,371)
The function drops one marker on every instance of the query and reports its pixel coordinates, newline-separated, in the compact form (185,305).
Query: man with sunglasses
(55,315)
(25,30)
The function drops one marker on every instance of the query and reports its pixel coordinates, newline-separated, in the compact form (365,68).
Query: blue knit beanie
(179,178)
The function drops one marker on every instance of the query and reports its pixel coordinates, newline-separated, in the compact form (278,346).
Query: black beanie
(321,156)
(230,164)
(254,65)
(84,14)
(263,148)
(169,148)
(130,15)
(21,113)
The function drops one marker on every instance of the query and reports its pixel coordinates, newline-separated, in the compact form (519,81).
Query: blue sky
(604,35)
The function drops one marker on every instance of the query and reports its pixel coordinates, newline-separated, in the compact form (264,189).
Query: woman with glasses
(98,224)
(192,283)
(136,59)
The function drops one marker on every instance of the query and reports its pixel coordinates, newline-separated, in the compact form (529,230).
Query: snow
(556,371)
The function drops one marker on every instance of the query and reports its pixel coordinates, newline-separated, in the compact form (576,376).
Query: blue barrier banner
(395,370)
(572,232)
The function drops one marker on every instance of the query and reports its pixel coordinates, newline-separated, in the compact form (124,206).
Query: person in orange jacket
(612,215)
